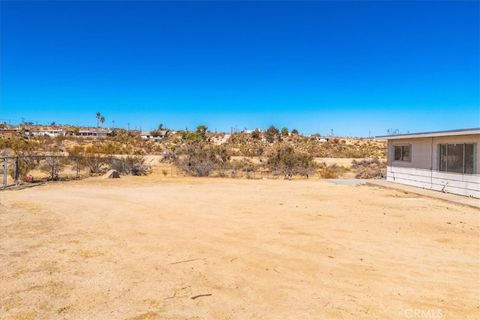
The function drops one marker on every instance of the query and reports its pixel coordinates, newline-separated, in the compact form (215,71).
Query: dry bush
(130,165)
(245,166)
(25,165)
(96,164)
(198,159)
(369,169)
(272,134)
(286,161)
(201,159)
(245,144)
(53,165)
(329,172)
(332,171)
(168,156)
(136,166)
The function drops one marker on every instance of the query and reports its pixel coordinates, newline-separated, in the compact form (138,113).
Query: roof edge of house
(455,132)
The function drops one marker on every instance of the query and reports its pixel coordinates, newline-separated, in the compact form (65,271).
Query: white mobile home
(52,133)
(96,133)
(155,136)
(444,160)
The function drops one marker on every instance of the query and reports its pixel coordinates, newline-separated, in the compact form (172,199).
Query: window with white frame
(457,157)
(402,152)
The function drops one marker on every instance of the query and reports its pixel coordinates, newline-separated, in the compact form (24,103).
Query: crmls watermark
(423,313)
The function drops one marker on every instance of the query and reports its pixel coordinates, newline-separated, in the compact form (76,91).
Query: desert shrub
(130,165)
(201,159)
(19,145)
(53,165)
(369,169)
(288,162)
(76,158)
(111,147)
(78,163)
(222,159)
(25,165)
(329,172)
(96,157)
(272,134)
(306,167)
(136,166)
(245,166)
(199,135)
(256,135)
(168,156)
(247,149)
(96,164)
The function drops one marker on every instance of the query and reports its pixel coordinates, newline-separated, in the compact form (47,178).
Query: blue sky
(354,67)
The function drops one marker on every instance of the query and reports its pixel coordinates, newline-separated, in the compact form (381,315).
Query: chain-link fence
(9,171)
(30,169)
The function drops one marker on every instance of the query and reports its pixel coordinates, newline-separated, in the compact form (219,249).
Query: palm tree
(100,121)
(98,118)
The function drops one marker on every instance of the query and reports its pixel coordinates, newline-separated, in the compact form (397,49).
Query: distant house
(319,138)
(9,131)
(220,139)
(94,133)
(155,136)
(52,133)
(443,160)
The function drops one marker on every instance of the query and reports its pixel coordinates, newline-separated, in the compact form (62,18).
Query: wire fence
(30,169)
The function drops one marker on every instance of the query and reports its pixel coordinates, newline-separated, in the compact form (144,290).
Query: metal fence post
(16,171)
(5,171)
(77,167)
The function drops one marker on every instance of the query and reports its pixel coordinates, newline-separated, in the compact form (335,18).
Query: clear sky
(354,67)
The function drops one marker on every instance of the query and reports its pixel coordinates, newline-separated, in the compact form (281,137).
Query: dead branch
(201,295)
(183,261)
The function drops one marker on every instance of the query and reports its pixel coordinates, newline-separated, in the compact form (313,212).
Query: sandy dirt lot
(182,248)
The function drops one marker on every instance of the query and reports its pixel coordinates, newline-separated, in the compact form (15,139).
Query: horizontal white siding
(463,184)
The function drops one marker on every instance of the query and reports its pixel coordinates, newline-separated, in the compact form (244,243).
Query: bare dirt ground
(182,248)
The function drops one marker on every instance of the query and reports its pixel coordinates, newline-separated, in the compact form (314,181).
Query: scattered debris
(175,293)
(112,174)
(183,261)
(201,295)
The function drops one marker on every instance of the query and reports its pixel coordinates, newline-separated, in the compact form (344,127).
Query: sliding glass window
(457,157)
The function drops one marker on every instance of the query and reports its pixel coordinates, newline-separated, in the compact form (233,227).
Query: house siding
(422,170)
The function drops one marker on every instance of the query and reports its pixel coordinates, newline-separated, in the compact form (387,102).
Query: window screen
(469,158)
(458,158)
(398,153)
(455,158)
(402,153)
(406,153)
(443,157)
